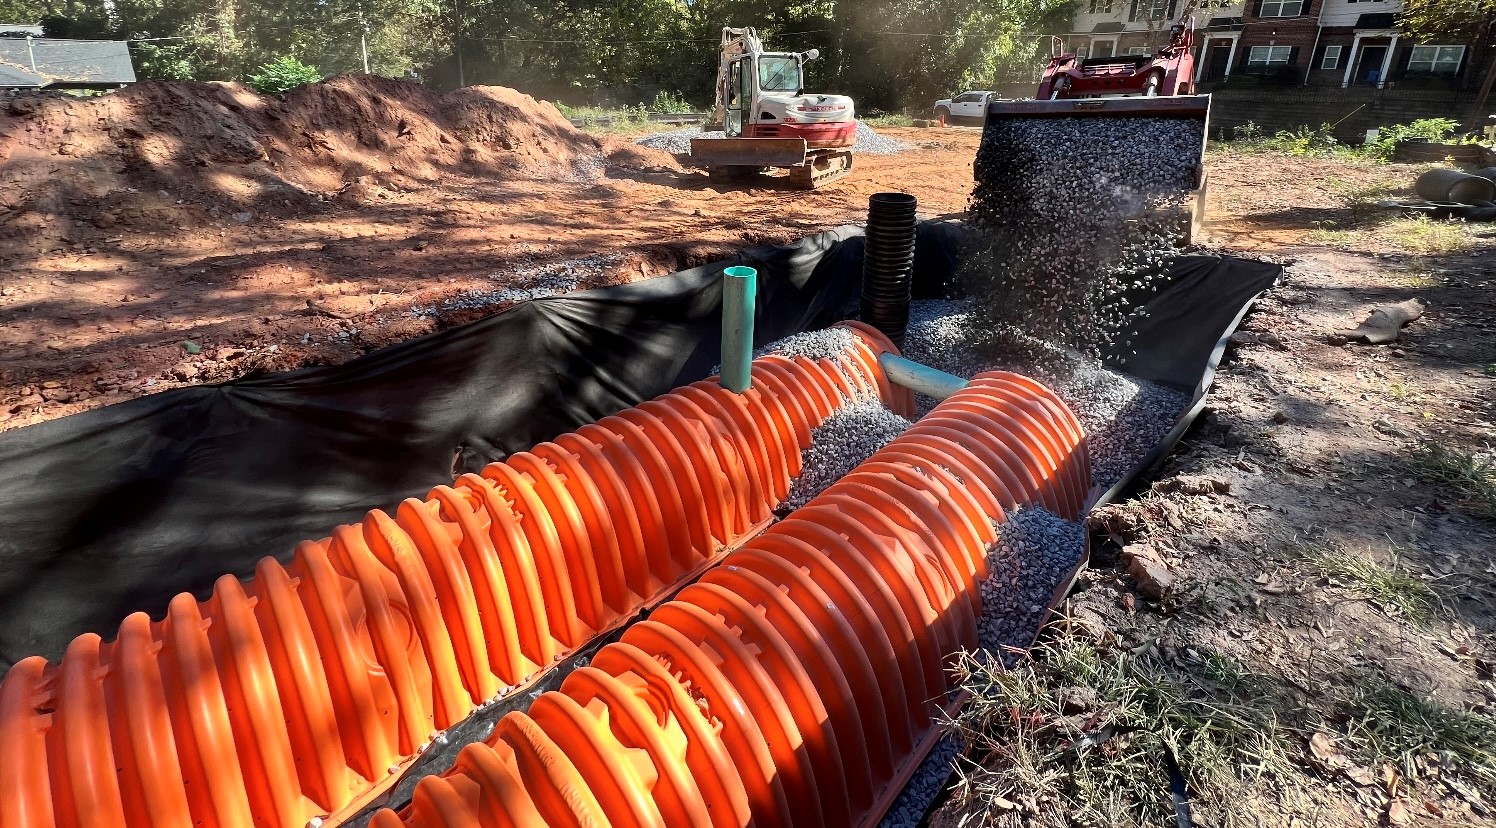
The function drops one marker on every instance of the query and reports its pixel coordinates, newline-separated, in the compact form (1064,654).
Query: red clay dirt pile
(219,150)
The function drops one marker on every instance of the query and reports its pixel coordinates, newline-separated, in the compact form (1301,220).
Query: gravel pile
(1035,550)
(1079,216)
(1123,417)
(526,281)
(872,143)
(917,797)
(827,343)
(839,444)
(678,141)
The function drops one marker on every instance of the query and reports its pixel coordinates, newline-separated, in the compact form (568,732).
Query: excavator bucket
(1188,107)
(753,153)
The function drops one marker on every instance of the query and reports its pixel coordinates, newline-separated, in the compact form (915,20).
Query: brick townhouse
(1321,43)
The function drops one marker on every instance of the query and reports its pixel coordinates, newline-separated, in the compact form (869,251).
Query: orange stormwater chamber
(795,682)
(301,693)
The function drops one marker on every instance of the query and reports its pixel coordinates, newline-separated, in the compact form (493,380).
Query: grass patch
(888,121)
(1402,391)
(1470,476)
(1357,194)
(1085,734)
(1385,723)
(1391,586)
(1419,234)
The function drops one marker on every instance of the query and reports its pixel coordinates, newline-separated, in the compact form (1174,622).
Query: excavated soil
(179,233)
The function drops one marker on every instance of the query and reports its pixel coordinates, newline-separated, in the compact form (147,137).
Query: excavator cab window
(739,95)
(779,74)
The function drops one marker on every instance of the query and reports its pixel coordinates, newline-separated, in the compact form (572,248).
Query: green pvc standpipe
(739,296)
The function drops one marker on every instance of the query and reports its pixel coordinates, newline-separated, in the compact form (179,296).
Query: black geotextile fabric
(116,510)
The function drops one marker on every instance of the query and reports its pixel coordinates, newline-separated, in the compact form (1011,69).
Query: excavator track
(821,168)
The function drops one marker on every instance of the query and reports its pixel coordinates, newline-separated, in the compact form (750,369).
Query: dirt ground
(1310,447)
(1307,574)
(155,293)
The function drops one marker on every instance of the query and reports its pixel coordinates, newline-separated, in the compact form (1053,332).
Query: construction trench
(639,597)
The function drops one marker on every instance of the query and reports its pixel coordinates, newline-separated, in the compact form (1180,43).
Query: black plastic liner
(116,510)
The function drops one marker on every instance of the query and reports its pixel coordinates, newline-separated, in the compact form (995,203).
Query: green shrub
(282,74)
(1305,141)
(670,103)
(1434,129)
(1302,141)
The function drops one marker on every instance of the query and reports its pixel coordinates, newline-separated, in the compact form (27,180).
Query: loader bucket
(1196,107)
(1191,107)
(748,152)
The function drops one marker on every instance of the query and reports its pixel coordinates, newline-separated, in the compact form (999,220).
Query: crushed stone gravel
(1123,418)
(1068,240)
(826,343)
(526,281)
(678,141)
(1034,552)
(915,800)
(839,444)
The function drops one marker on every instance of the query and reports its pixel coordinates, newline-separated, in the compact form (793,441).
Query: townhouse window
(1439,60)
(1269,55)
(1332,56)
(1101,6)
(1280,8)
(1152,10)
(1137,50)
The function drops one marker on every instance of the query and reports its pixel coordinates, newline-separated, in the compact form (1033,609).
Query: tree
(1429,19)
(282,75)
(23,12)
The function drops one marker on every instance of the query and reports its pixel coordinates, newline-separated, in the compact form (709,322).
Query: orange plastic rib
(301,693)
(794,683)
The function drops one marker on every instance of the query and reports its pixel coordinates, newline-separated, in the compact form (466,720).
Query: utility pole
(363,37)
(457,41)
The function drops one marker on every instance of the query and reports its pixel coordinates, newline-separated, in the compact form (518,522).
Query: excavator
(769,121)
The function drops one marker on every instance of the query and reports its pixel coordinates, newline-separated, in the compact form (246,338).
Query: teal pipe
(739,296)
(920,378)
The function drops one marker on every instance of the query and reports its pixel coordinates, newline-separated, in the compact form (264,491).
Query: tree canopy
(1475,19)
(885,53)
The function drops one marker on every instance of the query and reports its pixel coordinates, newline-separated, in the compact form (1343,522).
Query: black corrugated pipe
(888,264)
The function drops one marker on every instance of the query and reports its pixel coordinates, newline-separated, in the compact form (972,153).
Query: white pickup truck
(971,104)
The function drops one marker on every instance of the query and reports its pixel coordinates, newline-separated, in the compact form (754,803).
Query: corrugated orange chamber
(797,682)
(298,695)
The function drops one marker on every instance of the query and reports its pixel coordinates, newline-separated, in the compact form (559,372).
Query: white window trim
(1268,51)
(1095,43)
(1433,63)
(1331,60)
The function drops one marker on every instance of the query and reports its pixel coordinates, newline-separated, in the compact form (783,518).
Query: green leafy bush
(282,74)
(670,102)
(1433,129)
(1302,141)
(1305,141)
(163,62)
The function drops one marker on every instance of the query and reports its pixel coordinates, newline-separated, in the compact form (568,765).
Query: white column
(1387,63)
(1206,44)
(1231,56)
(1350,63)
